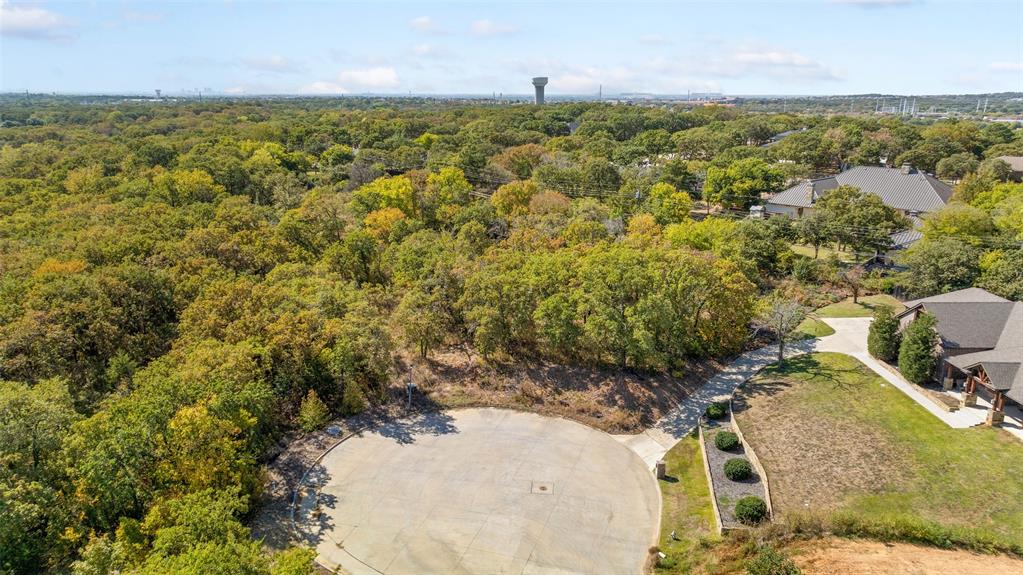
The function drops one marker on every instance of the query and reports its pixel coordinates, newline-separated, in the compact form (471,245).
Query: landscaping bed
(728,492)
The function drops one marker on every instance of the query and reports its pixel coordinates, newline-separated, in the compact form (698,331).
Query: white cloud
(323,88)
(273,64)
(430,51)
(1006,67)
(33,22)
(654,40)
(426,25)
(491,28)
(770,62)
(376,77)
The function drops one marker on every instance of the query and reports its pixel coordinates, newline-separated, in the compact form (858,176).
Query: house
(910,192)
(981,341)
(1016,165)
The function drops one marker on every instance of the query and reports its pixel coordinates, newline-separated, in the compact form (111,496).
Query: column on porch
(970,393)
(948,380)
(996,415)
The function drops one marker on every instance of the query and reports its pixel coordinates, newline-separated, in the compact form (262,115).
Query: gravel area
(726,491)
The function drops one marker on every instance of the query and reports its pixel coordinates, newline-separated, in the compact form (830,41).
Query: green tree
(939,266)
(742,183)
(883,339)
(1002,274)
(313,413)
(668,205)
(814,229)
(512,199)
(421,319)
(918,348)
(956,166)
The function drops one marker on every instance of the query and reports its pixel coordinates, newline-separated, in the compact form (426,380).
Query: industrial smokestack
(538,84)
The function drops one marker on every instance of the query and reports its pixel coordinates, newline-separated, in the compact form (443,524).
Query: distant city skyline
(429,48)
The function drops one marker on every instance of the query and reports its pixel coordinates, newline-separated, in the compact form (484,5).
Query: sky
(319,47)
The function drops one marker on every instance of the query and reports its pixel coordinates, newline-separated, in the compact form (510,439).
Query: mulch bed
(726,491)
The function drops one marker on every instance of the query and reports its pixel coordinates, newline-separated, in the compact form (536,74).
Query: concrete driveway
(481,491)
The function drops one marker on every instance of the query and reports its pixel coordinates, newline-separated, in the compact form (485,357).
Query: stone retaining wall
(751,454)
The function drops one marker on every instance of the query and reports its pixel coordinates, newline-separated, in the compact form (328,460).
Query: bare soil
(615,401)
(858,557)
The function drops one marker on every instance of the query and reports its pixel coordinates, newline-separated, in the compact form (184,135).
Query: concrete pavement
(653,443)
(480,491)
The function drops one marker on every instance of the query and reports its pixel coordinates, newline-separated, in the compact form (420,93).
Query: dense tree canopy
(183,282)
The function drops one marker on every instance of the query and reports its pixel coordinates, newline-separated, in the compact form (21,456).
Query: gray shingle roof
(1015,162)
(916,192)
(968,295)
(970,325)
(976,318)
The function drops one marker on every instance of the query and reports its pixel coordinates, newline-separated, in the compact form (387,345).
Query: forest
(182,283)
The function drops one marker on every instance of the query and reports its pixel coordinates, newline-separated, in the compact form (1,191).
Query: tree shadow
(405,430)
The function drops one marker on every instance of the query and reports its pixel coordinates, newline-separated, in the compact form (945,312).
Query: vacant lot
(607,399)
(832,435)
(863,308)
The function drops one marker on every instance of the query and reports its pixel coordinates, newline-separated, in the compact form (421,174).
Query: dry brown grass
(806,472)
(611,400)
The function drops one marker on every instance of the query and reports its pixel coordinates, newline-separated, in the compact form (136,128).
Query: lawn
(812,327)
(836,440)
(864,308)
(824,252)
(686,509)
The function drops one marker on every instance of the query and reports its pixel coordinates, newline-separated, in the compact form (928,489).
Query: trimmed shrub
(916,353)
(717,410)
(883,341)
(738,469)
(726,441)
(768,561)
(750,510)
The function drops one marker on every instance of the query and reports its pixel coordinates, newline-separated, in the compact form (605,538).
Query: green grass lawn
(812,327)
(824,252)
(686,509)
(865,307)
(837,440)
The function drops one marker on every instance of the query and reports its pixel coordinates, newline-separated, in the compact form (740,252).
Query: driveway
(480,491)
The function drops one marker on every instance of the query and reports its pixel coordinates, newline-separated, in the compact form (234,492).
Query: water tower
(538,84)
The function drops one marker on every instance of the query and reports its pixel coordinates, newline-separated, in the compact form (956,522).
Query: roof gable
(914,192)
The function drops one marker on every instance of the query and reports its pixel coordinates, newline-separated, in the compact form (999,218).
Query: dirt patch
(610,400)
(812,462)
(856,557)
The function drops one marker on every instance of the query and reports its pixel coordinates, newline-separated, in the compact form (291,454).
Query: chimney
(809,186)
(907,168)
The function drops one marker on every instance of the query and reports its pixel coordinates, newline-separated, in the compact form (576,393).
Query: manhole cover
(542,487)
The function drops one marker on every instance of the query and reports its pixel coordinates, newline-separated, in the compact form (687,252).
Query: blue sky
(737,47)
